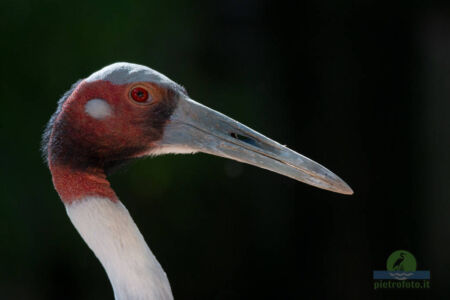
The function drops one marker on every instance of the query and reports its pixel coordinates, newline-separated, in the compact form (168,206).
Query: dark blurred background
(362,87)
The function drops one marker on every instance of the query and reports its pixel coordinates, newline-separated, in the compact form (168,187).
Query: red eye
(139,94)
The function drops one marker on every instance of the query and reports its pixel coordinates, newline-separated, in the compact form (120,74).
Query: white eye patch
(98,109)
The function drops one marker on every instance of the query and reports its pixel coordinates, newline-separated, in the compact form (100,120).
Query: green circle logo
(401,260)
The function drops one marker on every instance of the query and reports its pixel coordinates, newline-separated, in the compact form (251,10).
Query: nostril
(255,142)
(243,138)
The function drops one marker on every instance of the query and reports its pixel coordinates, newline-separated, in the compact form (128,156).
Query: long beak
(194,127)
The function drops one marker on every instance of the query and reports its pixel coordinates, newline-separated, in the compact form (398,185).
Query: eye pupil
(139,94)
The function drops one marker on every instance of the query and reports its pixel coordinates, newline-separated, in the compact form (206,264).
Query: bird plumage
(111,233)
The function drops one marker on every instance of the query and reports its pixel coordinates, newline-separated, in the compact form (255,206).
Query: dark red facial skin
(81,147)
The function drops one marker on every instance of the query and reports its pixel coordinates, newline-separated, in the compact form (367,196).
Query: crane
(126,111)
(398,264)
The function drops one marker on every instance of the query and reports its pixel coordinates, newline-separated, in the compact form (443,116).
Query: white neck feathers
(112,235)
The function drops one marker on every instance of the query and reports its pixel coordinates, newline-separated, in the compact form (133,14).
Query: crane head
(126,111)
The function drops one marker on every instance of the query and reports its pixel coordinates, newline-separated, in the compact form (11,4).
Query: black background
(359,86)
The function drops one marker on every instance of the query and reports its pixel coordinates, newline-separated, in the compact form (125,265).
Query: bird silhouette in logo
(398,265)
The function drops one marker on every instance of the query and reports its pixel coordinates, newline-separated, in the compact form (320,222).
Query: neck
(73,184)
(110,232)
(108,229)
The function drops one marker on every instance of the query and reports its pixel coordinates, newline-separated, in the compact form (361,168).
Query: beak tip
(348,192)
(345,189)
